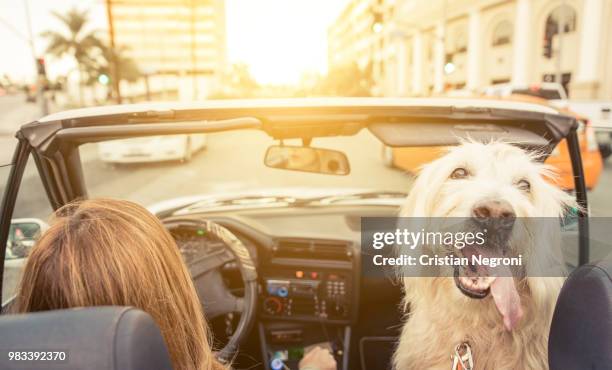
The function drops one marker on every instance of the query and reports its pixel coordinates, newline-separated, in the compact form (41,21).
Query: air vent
(312,249)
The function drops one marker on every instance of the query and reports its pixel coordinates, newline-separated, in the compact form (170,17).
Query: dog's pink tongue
(507,301)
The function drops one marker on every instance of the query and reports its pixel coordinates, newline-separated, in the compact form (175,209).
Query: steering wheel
(204,262)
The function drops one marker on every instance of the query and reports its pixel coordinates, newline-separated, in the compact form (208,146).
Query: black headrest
(581,331)
(117,338)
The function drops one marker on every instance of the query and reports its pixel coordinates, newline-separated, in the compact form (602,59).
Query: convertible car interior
(572,324)
(102,338)
(310,289)
(134,342)
(280,272)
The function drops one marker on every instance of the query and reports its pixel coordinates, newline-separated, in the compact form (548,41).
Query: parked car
(598,112)
(410,159)
(152,148)
(544,90)
(23,233)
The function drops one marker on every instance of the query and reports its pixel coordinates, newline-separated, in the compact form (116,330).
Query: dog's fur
(438,315)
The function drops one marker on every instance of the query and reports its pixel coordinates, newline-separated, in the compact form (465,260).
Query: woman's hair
(114,252)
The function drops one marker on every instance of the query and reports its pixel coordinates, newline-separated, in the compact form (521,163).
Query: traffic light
(40,67)
(377,20)
(377,17)
(103,79)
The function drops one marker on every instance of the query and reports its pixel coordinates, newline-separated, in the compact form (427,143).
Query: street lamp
(103,79)
(449,68)
(377,17)
(377,27)
(377,12)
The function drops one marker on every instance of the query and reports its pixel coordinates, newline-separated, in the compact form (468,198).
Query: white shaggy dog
(505,320)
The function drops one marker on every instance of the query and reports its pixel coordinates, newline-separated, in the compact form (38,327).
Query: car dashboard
(308,264)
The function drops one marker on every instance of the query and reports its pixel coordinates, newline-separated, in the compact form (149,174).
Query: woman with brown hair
(107,252)
(111,252)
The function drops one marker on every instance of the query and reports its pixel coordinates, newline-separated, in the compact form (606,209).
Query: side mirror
(23,234)
(307,159)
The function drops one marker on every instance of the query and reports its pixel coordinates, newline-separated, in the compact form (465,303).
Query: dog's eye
(459,173)
(524,185)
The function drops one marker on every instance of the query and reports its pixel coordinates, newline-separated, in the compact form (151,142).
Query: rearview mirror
(307,159)
(23,234)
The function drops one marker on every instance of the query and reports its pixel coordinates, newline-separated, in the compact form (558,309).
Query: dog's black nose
(494,213)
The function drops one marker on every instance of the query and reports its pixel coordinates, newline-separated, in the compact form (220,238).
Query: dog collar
(462,357)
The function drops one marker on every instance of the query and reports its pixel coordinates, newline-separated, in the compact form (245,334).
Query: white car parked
(598,112)
(152,149)
(544,90)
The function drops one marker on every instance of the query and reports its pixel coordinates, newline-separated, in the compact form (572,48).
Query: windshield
(150,170)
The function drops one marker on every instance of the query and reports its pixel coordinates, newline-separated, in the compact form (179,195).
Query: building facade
(179,44)
(351,38)
(358,36)
(431,46)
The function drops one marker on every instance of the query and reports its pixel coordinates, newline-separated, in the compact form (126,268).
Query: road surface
(14,112)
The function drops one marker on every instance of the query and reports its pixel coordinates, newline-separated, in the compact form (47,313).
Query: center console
(308,298)
(308,294)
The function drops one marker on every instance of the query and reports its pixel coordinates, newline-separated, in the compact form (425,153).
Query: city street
(222,166)
(374,94)
(225,166)
(14,112)
(232,161)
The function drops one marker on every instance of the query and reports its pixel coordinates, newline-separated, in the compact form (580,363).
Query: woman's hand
(318,359)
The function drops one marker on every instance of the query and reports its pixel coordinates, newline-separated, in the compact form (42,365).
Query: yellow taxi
(410,159)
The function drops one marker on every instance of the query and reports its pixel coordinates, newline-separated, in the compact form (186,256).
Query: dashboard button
(273,305)
(277,364)
(282,292)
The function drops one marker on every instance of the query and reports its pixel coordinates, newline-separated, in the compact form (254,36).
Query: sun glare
(280,40)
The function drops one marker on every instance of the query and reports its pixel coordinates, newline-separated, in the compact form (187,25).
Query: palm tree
(128,70)
(74,41)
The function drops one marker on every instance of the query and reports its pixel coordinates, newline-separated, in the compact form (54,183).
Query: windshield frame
(9,198)
(55,144)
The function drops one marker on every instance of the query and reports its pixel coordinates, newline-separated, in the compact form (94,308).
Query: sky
(279,39)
